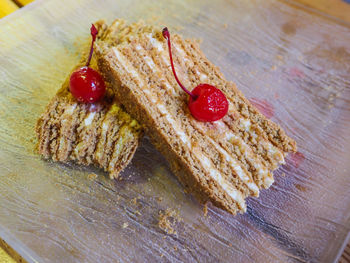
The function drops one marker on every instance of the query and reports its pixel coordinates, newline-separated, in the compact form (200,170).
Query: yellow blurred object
(7,7)
(24,2)
(4,257)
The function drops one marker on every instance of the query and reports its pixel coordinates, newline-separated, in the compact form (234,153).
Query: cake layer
(223,161)
(100,134)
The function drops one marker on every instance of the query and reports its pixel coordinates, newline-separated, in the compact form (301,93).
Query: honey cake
(223,161)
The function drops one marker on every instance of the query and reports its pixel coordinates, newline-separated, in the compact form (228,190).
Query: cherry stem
(166,35)
(94,32)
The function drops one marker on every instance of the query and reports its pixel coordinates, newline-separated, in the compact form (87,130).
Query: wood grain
(337,8)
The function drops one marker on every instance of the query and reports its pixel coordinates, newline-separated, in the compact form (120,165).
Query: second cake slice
(223,161)
(100,133)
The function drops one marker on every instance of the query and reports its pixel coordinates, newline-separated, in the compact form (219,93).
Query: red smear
(296,159)
(263,106)
(296,73)
(276,95)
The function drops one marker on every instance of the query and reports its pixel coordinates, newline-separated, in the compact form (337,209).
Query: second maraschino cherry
(207,103)
(86,84)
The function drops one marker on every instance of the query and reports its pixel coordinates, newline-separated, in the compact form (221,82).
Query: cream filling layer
(202,77)
(102,140)
(149,61)
(67,112)
(70,109)
(117,148)
(216,175)
(163,54)
(181,52)
(272,150)
(155,43)
(158,46)
(88,120)
(237,168)
(248,153)
(106,123)
(175,125)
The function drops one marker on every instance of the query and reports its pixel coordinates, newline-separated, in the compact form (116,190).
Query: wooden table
(336,9)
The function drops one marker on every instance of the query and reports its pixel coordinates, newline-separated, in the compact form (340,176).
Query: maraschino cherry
(207,103)
(86,84)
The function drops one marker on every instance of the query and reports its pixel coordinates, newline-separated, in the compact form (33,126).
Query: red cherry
(86,84)
(210,104)
(206,102)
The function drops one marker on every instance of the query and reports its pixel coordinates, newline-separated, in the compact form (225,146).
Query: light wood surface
(337,8)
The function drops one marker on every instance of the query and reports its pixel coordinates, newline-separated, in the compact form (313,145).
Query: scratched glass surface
(293,64)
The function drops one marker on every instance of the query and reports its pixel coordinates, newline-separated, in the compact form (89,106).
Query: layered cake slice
(100,133)
(223,161)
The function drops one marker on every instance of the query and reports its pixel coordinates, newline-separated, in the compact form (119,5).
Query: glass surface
(294,61)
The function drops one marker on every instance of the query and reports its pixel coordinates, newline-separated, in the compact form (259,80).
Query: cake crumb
(205,209)
(92,176)
(134,201)
(175,248)
(125,225)
(159,199)
(225,26)
(167,220)
(138,212)
(279,57)
(283,175)
(301,188)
